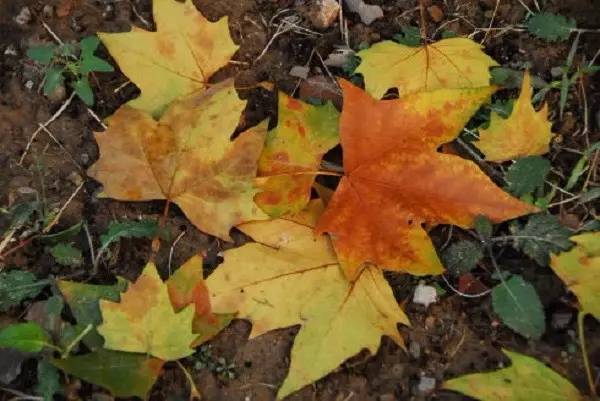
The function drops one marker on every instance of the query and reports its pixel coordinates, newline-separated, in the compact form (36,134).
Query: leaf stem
(194,393)
(584,355)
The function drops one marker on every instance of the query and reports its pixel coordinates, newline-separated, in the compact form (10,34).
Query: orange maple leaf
(396,180)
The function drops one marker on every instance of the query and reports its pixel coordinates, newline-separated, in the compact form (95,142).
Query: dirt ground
(457,335)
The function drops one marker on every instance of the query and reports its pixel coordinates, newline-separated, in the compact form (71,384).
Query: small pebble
(324,13)
(300,71)
(11,50)
(425,295)
(426,384)
(29,85)
(24,16)
(85,158)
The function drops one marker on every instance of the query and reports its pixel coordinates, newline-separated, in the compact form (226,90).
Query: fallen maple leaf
(525,133)
(303,134)
(526,379)
(186,286)
(579,269)
(290,277)
(186,158)
(145,322)
(396,180)
(450,63)
(177,59)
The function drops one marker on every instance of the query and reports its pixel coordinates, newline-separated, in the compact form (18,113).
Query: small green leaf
(84,90)
(54,77)
(41,54)
(18,285)
(26,337)
(89,45)
(541,235)
(129,229)
(66,254)
(527,175)
(410,36)
(462,256)
(551,27)
(48,380)
(484,226)
(92,63)
(519,306)
(21,213)
(83,301)
(123,374)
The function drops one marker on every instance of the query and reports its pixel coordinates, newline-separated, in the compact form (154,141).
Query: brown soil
(455,336)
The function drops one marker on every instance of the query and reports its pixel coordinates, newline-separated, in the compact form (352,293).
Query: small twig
(194,393)
(60,145)
(120,87)
(525,6)
(62,209)
(140,17)
(172,250)
(51,32)
(95,116)
(491,22)
(462,294)
(41,126)
(20,395)
(90,242)
(584,354)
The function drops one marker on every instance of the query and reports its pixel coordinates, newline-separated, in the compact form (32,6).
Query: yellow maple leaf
(186,158)
(304,133)
(453,63)
(290,277)
(579,269)
(525,133)
(525,379)
(177,59)
(145,322)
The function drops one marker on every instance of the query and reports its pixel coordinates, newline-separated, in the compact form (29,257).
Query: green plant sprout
(71,62)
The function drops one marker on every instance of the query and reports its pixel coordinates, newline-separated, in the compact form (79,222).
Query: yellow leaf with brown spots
(304,133)
(396,180)
(448,64)
(145,322)
(524,380)
(177,59)
(187,158)
(290,276)
(524,133)
(579,269)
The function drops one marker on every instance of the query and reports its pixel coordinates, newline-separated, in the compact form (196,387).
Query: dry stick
(194,393)
(41,127)
(172,250)
(491,22)
(586,361)
(423,27)
(60,145)
(62,209)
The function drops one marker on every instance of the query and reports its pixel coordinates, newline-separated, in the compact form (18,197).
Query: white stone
(425,295)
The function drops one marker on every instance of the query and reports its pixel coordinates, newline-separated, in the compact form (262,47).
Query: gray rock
(367,12)
(426,384)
